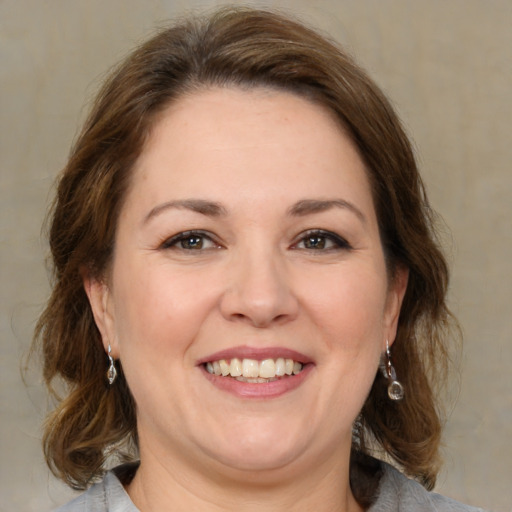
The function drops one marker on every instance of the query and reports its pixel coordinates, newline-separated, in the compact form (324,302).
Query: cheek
(156,310)
(351,307)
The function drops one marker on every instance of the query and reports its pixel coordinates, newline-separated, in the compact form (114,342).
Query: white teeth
(280,367)
(258,380)
(224,367)
(235,368)
(297,368)
(216,368)
(267,369)
(252,370)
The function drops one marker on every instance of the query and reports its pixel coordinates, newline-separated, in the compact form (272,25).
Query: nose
(258,291)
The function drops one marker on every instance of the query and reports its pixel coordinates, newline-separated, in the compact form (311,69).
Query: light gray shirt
(396,493)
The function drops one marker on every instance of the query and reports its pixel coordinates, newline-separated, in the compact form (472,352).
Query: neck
(164,487)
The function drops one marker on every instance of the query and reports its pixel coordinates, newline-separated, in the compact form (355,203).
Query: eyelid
(171,242)
(341,242)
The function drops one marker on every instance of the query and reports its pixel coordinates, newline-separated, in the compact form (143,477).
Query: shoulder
(397,492)
(105,496)
(94,499)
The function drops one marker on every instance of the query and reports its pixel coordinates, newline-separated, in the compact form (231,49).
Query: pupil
(193,242)
(315,242)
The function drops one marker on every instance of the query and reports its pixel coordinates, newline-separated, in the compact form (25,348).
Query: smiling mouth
(253,370)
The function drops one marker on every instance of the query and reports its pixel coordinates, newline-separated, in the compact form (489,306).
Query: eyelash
(339,243)
(325,237)
(173,242)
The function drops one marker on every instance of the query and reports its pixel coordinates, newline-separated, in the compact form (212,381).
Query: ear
(396,293)
(100,299)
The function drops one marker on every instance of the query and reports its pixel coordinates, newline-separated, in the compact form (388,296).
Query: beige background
(447,66)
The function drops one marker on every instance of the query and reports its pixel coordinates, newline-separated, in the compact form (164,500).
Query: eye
(320,240)
(190,241)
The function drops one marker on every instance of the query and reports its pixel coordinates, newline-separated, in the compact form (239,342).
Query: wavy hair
(246,48)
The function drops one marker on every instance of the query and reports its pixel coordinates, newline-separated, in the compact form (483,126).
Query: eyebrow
(214,209)
(309,206)
(208,208)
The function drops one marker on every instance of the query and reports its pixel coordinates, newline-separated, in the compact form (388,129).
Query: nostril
(258,298)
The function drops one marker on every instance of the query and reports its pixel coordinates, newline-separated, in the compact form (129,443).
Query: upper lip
(258,353)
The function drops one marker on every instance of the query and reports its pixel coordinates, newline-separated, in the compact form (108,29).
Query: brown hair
(246,48)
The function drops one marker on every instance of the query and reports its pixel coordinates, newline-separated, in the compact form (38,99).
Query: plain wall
(446,64)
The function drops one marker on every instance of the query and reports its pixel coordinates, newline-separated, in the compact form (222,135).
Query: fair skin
(249,232)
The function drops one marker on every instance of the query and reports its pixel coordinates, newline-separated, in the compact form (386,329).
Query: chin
(258,449)
(261,462)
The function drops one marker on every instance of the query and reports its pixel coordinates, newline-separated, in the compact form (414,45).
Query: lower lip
(261,390)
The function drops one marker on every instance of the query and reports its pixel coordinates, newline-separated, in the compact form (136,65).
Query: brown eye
(314,242)
(319,240)
(190,241)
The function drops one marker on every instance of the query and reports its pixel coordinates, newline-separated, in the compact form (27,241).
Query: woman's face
(248,239)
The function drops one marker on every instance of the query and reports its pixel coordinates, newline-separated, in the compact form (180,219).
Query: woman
(248,297)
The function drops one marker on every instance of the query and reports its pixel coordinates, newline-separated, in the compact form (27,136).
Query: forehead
(256,111)
(221,140)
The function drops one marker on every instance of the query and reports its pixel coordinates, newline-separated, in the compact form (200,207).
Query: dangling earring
(111,372)
(395,388)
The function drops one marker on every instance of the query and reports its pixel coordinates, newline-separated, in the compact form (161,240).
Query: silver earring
(395,388)
(111,372)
